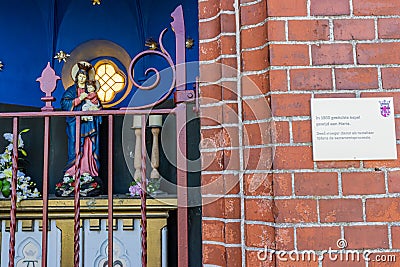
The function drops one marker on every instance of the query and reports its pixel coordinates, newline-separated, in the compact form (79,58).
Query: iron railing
(181,97)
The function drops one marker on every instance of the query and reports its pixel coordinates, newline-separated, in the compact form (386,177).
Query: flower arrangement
(25,187)
(88,185)
(135,187)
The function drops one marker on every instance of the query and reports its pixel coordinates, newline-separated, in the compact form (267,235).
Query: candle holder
(155,123)
(137,163)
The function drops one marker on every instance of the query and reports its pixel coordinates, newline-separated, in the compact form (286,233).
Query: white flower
(35,193)
(9,147)
(6,157)
(8,137)
(86,178)
(20,142)
(66,179)
(24,184)
(8,172)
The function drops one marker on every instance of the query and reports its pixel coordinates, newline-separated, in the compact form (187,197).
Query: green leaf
(24,131)
(6,190)
(23,152)
(1,184)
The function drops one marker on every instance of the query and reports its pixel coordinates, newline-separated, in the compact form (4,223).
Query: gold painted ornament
(151,44)
(96,2)
(1,66)
(189,43)
(61,56)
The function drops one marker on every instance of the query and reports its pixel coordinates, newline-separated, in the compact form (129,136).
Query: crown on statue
(85,67)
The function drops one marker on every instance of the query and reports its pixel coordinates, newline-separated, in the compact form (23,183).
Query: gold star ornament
(96,2)
(1,66)
(151,44)
(189,43)
(61,56)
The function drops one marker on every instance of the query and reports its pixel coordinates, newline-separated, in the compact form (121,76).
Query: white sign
(353,128)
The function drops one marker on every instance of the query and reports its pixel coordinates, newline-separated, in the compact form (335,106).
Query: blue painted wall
(33,31)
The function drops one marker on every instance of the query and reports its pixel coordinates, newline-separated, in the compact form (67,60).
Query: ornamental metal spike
(48,82)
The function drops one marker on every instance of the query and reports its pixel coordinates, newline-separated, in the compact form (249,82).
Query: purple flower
(135,190)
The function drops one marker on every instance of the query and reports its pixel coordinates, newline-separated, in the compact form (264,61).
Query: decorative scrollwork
(164,54)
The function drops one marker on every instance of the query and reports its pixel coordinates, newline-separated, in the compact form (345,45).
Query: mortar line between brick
(286,31)
(293,185)
(330,197)
(360,170)
(390,236)
(335,17)
(308,8)
(331,30)
(227,12)
(215,60)
(342,66)
(227,245)
(321,92)
(319,252)
(203,41)
(385,172)
(255,48)
(294,118)
(380,83)
(221,219)
(315,224)
(220,172)
(342,236)
(246,27)
(333,80)
(351,8)
(220,196)
(253,97)
(219,103)
(354,50)
(376,28)
(288,79)
(364,209)
(290,131)
(328,42)
(318,213)
(251,3)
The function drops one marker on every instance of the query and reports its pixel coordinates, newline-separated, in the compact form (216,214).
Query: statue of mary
(72,100)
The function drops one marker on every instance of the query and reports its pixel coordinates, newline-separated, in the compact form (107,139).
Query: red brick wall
(263,59)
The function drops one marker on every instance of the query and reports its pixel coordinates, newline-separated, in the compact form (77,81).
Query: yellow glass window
(112,80)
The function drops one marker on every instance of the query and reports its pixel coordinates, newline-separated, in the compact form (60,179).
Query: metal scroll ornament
(164,54)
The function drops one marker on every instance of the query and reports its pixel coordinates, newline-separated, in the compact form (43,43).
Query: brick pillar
(235,146)
(221,198)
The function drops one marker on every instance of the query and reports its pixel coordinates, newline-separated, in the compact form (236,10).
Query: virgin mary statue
(88,167)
